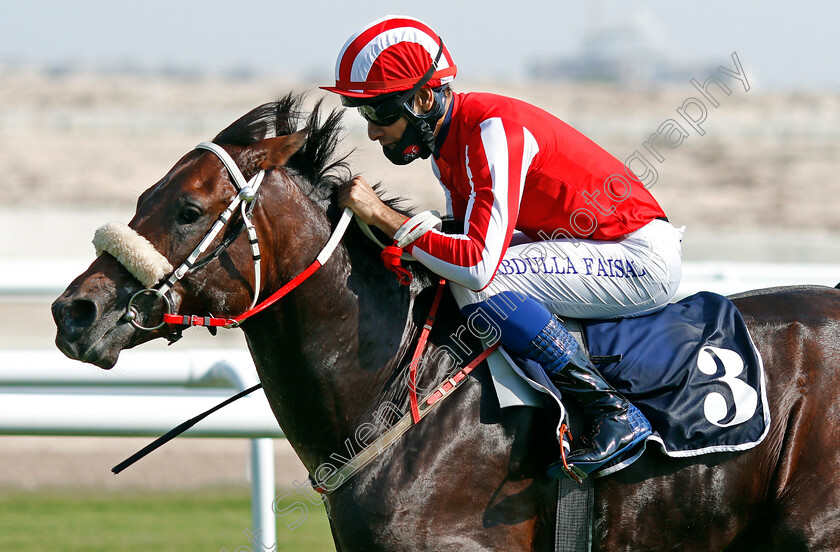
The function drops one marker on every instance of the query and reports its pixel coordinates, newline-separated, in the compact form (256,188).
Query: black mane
(323,169)
(318,161)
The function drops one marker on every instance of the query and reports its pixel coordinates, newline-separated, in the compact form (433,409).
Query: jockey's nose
(375,132)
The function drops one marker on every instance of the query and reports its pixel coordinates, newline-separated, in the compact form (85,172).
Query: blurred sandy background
(768,161)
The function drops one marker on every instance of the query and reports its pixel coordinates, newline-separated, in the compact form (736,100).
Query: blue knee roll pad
(519,318)
(553,348)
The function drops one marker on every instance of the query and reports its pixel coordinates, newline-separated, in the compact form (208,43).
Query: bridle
(244,200)
(246,193)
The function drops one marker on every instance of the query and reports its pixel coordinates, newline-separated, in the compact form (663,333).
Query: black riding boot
(615,423)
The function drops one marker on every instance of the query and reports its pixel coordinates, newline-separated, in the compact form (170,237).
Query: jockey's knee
(518,317)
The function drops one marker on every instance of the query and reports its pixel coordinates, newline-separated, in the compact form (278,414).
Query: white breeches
(634,275)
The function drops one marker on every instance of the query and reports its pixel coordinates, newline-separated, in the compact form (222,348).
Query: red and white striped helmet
(390,55)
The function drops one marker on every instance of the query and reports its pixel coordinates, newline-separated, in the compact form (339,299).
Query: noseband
(246,193)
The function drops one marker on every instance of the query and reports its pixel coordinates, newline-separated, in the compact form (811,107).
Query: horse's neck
(327,357)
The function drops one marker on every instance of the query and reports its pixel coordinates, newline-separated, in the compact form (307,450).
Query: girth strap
(573,523)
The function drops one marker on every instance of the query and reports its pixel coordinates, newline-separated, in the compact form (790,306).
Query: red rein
(391,258)
(186,320)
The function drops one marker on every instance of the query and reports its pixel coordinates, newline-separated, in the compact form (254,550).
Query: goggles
(385,113)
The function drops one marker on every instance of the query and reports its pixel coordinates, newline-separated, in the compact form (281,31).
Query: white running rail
(47,278)
(145,395)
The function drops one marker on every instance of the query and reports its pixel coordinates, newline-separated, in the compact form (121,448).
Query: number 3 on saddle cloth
(691,368)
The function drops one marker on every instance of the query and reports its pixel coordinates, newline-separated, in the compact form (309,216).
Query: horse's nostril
(79,313)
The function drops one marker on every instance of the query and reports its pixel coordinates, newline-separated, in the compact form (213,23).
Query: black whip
(172,433)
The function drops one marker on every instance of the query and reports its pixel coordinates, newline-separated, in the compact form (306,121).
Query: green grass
(121,521)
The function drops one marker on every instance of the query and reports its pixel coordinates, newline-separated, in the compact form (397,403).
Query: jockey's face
(389,135)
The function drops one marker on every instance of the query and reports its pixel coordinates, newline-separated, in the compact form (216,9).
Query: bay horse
(469,476)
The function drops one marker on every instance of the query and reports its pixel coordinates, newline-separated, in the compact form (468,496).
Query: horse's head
(102,313)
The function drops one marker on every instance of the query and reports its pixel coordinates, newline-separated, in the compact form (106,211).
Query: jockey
(591,243)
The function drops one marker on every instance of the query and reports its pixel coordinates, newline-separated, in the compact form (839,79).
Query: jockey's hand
(360,197)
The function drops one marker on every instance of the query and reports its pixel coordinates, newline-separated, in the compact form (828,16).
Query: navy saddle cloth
(693,371)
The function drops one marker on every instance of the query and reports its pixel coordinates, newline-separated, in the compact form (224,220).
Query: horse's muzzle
(73,316)
(78,333)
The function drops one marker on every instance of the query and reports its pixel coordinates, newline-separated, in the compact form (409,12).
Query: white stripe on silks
(494,140)
(476,276)
(471,198)
(447,194)
(497,153)
(530,150)
(463,275)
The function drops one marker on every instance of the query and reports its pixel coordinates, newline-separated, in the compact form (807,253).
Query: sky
(781,44)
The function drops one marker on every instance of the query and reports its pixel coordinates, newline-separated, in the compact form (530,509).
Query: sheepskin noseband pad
(133,251)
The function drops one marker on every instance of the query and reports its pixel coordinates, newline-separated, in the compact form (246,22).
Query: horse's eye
(188,215)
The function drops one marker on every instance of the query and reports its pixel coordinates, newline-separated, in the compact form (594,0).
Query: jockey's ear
(274,152)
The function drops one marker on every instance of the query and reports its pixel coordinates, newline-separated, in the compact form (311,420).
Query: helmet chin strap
(426,122)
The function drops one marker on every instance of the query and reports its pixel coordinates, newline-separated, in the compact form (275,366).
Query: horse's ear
(274,152)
